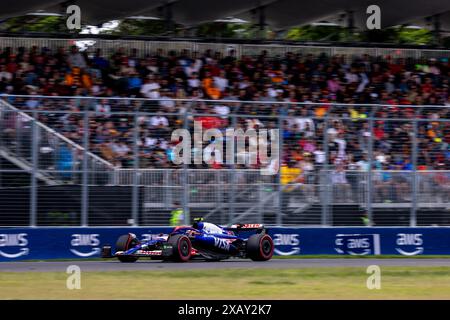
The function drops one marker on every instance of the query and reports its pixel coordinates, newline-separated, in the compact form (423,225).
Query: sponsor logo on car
(149,253)
(357,244)
(409,244)
(251,225)
(8,240)
(223,244)
(289,242)
(90,241)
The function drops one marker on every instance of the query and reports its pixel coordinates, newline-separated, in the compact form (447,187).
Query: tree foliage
(140,27)
(317,33)
(29,23)
(155,27)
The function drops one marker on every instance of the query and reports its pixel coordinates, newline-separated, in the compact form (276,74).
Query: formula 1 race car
(202,240)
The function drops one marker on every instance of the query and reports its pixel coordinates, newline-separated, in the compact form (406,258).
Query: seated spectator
(150,88)
(315,81)
(75,59)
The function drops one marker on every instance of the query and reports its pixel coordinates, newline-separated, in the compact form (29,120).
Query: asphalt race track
(114,265)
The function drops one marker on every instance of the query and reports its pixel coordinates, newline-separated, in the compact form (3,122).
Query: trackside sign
(13,245)
(76,243)
(358,244)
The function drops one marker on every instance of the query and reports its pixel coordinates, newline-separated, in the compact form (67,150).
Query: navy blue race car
(201,240)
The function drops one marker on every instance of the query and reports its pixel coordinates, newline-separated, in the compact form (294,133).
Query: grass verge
(305,283)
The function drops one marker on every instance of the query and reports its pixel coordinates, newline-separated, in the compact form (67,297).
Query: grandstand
(86,122)
(96,126)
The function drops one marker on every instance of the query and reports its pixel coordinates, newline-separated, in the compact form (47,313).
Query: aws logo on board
(85,245)
(409,244)
(13,245)
(290,244)
(357,244)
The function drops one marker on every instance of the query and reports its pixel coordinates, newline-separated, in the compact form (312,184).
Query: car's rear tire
(260,247)
(182,246)
(124,243)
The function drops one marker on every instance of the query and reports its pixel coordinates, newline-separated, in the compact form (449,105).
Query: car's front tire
(124,243)
(182,247)
(260,247)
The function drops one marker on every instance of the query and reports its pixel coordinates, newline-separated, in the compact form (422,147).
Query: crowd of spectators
(310,131)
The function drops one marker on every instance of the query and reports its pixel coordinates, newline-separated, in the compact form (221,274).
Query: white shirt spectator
(221,83)
(194,83)
(363,165)
(153,69)
(167,102)
(103,109)
(163,144)
(245,84)
(193,68)
(351,77)
(150,90)
(251,123)
(6,75)
(32,104)
(157,121)
(222,110)
(302,123)
(120,149)
(332,131)
(364,82)
(319,156)
(149,141)
(342,145)
(272,92)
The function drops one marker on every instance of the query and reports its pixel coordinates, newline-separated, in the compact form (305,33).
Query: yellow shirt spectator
(289,175)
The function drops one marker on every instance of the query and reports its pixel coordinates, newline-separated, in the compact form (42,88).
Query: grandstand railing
(150,47)
(90,190)
(22,121)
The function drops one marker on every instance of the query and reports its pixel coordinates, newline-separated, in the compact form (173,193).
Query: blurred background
(86,116)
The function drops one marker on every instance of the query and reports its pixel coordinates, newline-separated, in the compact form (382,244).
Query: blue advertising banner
(71,243)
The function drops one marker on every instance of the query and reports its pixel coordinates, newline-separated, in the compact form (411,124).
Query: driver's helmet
(198,225)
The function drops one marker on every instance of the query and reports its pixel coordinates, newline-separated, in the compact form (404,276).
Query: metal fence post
(18,125)
(279,217)
(85,176)
(187,219)
(167,195)
(135,186)
(413,215)
(369,173)
(232,179)
(219,193)
(261,204)
(34,167)
(324,180)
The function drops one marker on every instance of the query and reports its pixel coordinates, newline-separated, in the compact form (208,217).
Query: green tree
(140,27)
(317,33)
(398,35)
(30,23)
(230,30)
(227,30)
(414,36)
